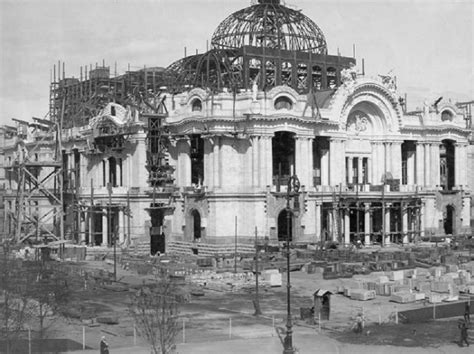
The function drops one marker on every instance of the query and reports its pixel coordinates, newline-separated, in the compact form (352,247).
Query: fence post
(134,335)
(380,316)
(184,331)
(230,328)
(434,310)
(319,321)
(29,340)
(83,337)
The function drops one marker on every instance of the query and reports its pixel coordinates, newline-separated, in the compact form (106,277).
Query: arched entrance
(196,227)
(285,226)
(449,220)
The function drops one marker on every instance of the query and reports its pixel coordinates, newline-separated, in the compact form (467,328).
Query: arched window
(317,77)
(446,115)
(331,77)
(196,105)
(283,102)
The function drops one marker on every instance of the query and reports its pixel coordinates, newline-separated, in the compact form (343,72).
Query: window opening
(196,105)
(283,151)
(197,160)
(283,102)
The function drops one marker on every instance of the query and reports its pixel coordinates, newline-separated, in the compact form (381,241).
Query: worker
(359,323)
(463,328)
(104,346)
(467,312)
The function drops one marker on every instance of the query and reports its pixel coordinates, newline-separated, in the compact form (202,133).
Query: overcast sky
(428,44)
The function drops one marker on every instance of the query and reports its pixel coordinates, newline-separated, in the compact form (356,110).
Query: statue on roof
(389,81)
(348,77)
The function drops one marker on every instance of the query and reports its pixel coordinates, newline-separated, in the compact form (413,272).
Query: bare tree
(155,312)
(48,292)
(14,309)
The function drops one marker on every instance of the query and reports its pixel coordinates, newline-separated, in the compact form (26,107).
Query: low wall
(435,311)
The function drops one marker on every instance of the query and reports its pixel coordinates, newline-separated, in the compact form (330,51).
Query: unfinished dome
(271,25)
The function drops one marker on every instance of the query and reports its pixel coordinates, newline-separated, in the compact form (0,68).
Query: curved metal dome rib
(270,25)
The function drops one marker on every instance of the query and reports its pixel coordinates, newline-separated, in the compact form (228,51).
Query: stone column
(435,162)
(369,170)
(387,160)
(422,219)
(460,159)
(268,177)
(334,221)
(130,168)
(427,155)
(410,168)
(255,162)
(404,222)
(359,170)
(336,162)
(396,158)
(91,226)
(420,177)
(347,238)
(324,167)
(301,164)
(367,223)
(262,161)
(121,227)
(215,161)
(309,161)
(350,171)
(375,179)
(105,228)
(387,223)
(465,181)
(318,222)
(82,228)
(125,171)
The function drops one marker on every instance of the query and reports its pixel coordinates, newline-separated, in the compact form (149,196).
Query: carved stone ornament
(357,124)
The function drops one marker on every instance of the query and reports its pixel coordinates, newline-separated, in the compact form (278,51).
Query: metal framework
(269,24)
(39,201)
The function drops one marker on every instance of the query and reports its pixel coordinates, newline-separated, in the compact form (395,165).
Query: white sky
(428,44)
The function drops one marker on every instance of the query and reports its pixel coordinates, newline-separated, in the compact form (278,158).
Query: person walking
(467,312)
(104,346)
(463,328)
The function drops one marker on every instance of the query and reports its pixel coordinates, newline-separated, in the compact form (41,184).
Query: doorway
(449,220)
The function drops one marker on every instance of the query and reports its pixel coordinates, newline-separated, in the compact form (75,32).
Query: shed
(322,303)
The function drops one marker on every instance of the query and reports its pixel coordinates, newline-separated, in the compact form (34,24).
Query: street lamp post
(292,191)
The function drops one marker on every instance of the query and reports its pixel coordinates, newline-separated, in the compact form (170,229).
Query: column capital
(303,137)
(337,140)
(367,206)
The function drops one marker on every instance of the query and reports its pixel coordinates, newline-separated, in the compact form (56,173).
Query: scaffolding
(39,206)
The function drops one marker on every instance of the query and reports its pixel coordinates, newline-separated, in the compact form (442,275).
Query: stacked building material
(362,294)
(402,297)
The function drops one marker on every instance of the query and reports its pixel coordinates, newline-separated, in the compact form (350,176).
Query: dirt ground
(222,316)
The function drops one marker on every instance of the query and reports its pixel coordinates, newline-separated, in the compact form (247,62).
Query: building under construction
(199,154)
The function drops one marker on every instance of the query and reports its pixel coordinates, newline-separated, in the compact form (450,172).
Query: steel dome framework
(269,24)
